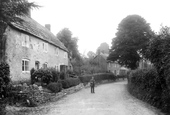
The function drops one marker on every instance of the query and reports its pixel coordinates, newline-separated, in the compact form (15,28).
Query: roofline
(36,36)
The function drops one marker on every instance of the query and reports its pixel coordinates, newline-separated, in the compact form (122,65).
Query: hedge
(145,85)
(54,87)
(98,77)
(69,82)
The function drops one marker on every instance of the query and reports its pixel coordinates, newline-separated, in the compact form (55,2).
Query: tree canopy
(130,42)
(65,36)
(11,10)
(103,48)
(91,54)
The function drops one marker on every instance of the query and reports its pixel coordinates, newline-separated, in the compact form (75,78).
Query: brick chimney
(48,26)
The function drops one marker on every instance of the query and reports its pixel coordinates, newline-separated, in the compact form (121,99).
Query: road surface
(109,99)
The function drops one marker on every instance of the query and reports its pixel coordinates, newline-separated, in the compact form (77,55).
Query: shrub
(45,75)
(144,84)
(98,77)
(55,87)
(62,75)
(4,79)
(32,77)
(73,81)
(55,74)
(69,82)
(64,83)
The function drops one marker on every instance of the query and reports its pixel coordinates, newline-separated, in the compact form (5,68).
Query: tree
(65,36)
(91,54)
(103,48)
(158,52)
(11,10)
(130,42)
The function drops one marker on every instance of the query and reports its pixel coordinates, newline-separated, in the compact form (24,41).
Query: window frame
(24,70)
(57,51)
(26,41)
(45,47)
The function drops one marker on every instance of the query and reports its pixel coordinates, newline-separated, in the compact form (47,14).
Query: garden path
(109,99)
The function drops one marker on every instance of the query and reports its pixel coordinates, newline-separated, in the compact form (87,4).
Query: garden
(46,85)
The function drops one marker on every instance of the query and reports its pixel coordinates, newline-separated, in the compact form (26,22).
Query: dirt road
(109,99)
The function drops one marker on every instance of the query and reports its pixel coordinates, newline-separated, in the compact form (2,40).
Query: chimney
(48,26)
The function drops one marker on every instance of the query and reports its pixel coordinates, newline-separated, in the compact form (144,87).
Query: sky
(96,21)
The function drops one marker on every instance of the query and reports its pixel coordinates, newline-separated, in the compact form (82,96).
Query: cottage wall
(114,68)
(34,51)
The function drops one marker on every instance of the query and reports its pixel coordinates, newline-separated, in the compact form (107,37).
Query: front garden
(46,85)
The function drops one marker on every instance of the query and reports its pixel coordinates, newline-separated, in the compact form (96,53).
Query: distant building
(115,68)
(31,45)
(100,61)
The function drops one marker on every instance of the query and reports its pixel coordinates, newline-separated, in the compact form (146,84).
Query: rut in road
(109,99)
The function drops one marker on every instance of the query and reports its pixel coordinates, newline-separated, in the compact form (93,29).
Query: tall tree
(91,54)
(130,42)
(11,10)
(103,48)
(65,36)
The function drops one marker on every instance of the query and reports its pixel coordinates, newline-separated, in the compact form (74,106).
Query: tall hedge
(98,77)
(145,85)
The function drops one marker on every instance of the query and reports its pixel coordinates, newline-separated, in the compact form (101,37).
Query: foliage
(55,74)
(32,77)
(42,75)
(98,77)
(73,81)
(4,79)
(11,10)
(55,87)
(65,36)
(145,85)
(103,48)
(158,53)
(91,54)
(130,42)
(69,82)
(62,75)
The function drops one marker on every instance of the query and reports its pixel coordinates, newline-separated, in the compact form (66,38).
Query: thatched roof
(32,27)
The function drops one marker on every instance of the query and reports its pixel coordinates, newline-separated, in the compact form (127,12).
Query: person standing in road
(92,84)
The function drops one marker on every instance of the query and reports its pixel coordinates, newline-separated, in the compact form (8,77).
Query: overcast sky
(96,21)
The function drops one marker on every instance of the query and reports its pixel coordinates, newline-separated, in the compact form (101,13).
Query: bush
(69,82)
(55,74)
(98,77)
(144,84)
(42,75)
(32,77)
(62,75)
(55,87)
(4,79)
(64,83)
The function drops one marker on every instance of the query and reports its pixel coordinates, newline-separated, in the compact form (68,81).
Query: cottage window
(57,51)
(37,65)
(65,55)
(45,65)
(25,65)
(25,42)
(45,47)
